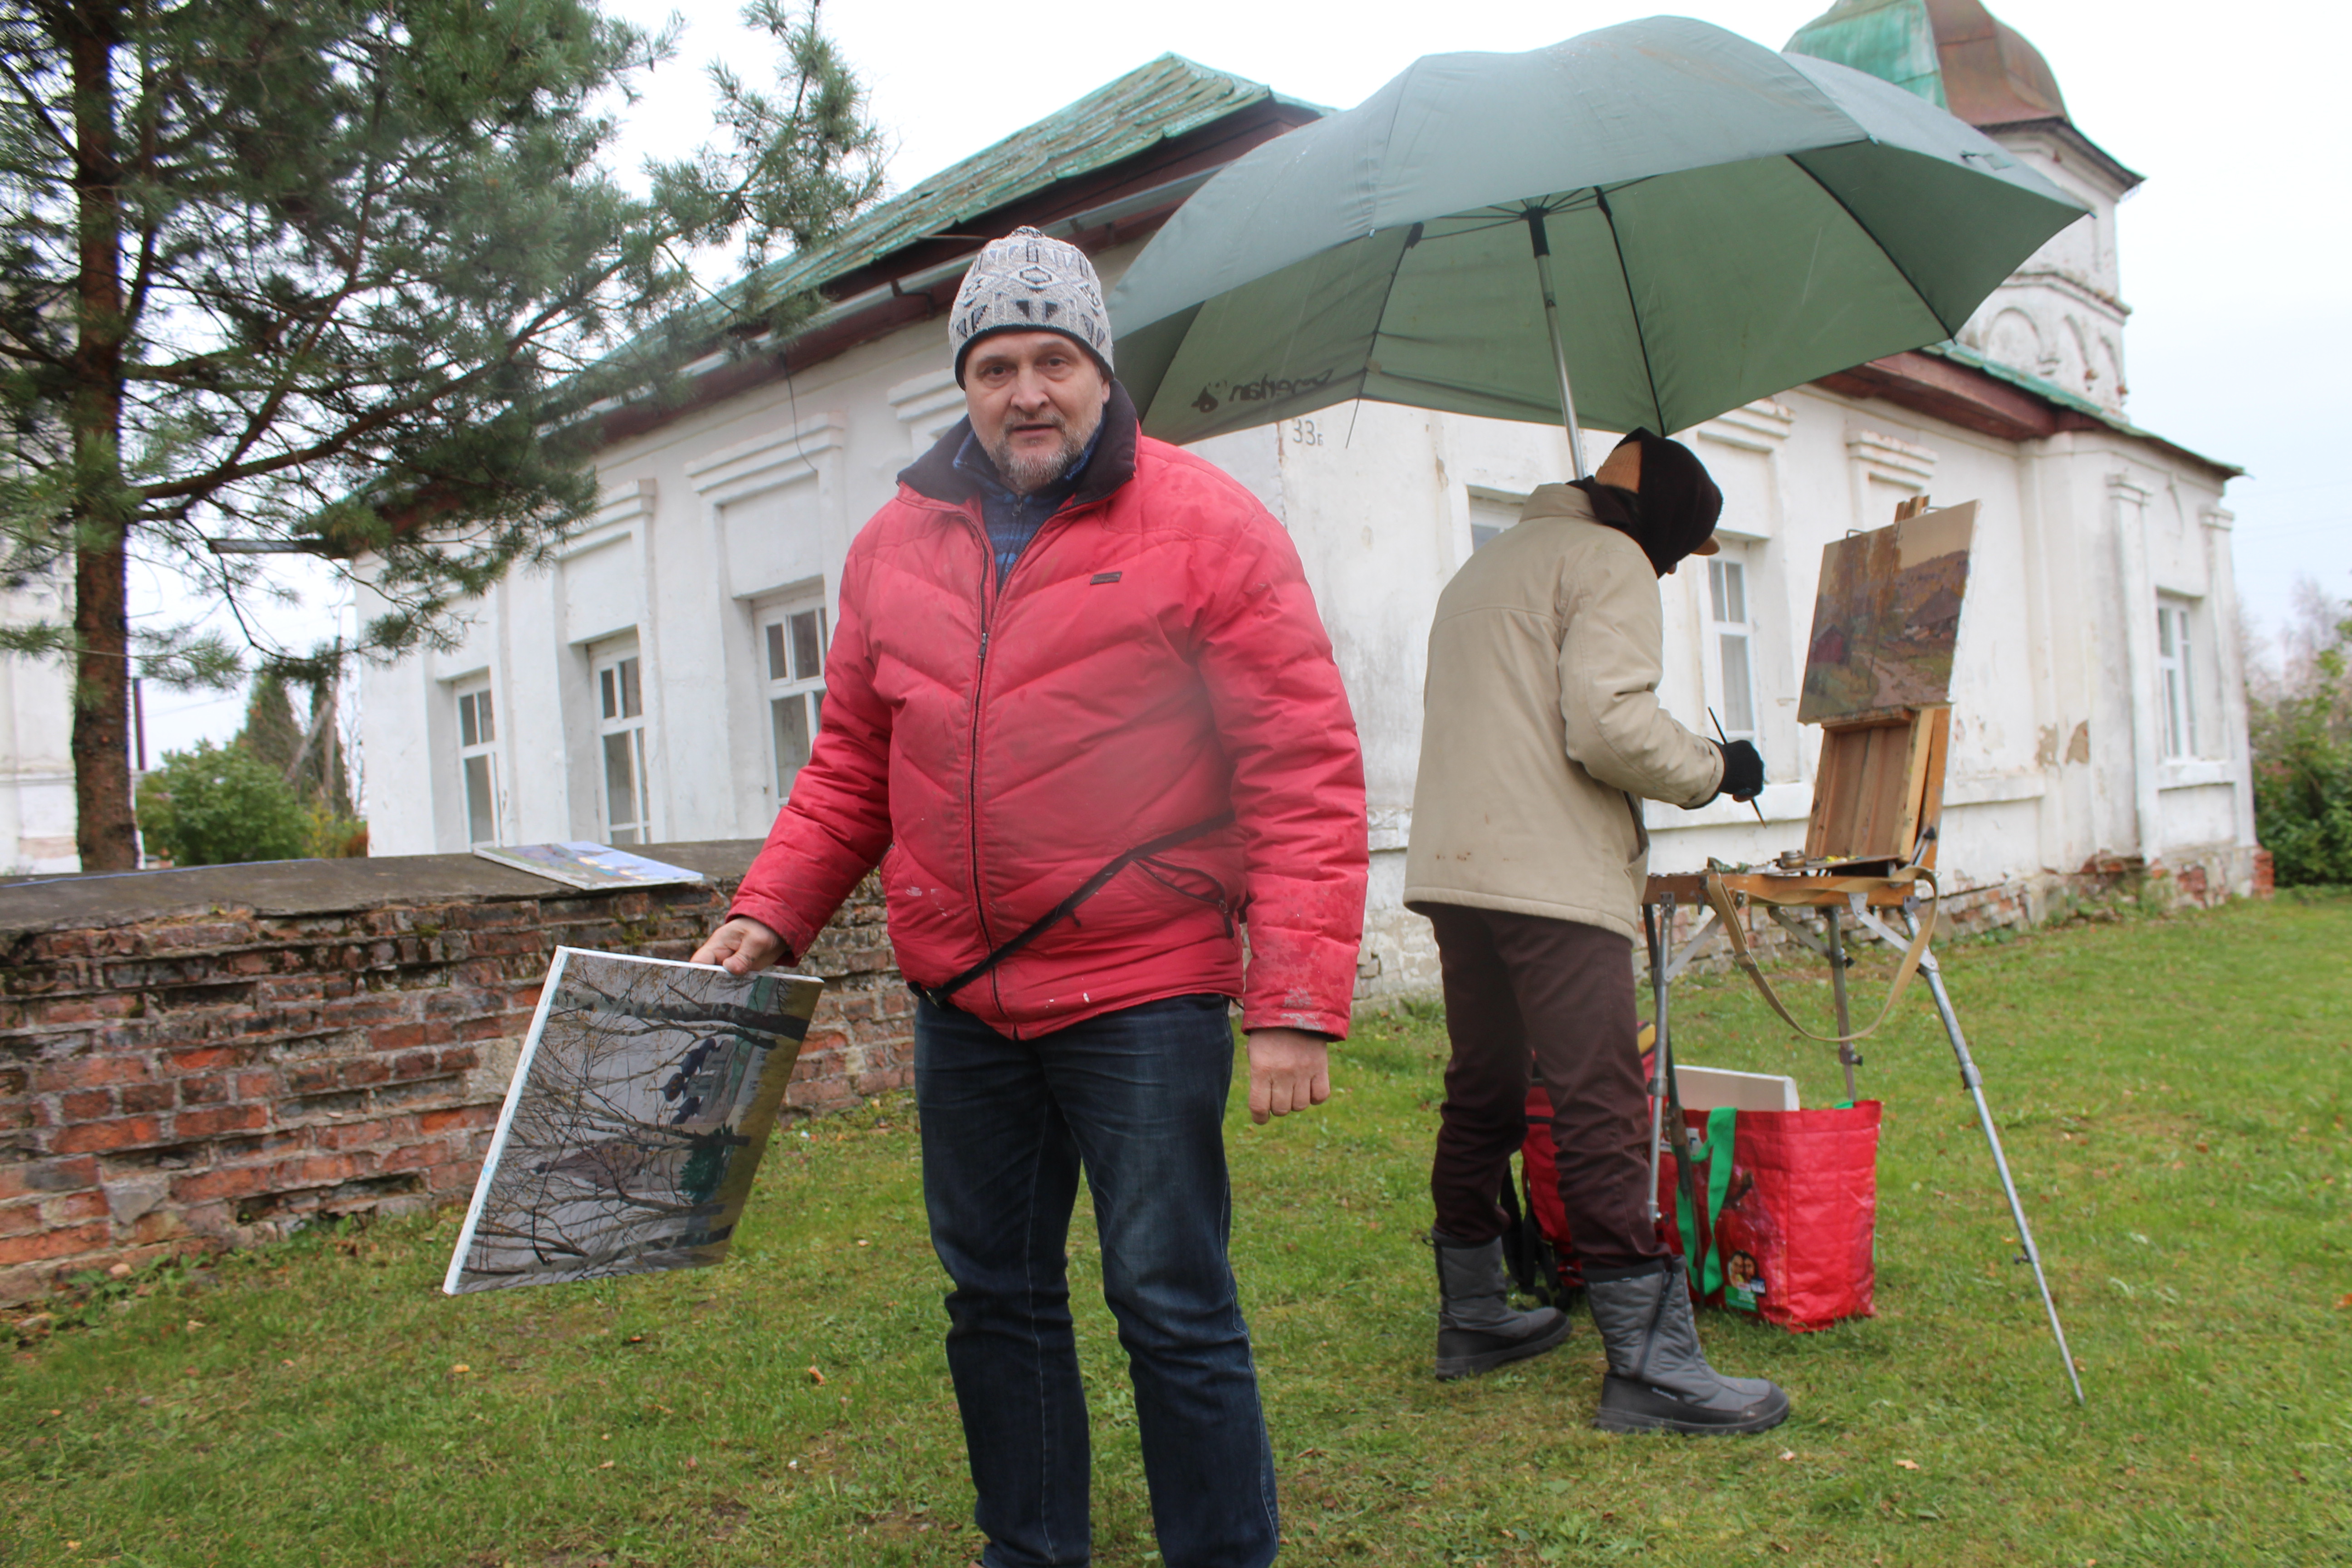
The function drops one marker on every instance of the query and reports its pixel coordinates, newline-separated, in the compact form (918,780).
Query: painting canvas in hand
(1887,617)
(643,1101)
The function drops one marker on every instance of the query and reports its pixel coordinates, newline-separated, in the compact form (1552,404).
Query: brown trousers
(1524,990)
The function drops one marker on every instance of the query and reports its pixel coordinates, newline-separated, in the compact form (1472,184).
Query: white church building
(660,681)
(36,776)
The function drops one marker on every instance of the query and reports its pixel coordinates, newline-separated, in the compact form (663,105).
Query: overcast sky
(2232,254)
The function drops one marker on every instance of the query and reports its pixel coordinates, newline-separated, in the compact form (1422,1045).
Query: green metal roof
(1154,102)
(1894,40)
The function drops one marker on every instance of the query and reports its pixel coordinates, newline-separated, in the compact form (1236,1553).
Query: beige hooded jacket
(1541,724)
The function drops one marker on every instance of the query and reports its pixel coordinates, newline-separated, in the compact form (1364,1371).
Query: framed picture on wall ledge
(597,868)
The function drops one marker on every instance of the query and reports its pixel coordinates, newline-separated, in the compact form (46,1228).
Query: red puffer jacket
(1153,662)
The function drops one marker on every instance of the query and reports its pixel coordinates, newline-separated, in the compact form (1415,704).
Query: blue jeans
(1138,1099)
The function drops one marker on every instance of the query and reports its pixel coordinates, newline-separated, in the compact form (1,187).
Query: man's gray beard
(1025,476)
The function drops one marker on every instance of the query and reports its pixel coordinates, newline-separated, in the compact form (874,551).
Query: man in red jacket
(1081,707)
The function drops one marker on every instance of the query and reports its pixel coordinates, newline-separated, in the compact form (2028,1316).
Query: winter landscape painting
(639,1109)
(1887,616)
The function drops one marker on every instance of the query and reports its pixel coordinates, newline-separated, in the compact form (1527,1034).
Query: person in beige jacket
(1542,735)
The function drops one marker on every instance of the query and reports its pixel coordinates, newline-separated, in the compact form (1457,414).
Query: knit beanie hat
(1026,282)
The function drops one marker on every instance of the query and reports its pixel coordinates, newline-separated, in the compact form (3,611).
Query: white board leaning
(638,1113)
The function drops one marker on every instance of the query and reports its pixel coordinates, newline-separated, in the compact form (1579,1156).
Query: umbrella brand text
(1264,389)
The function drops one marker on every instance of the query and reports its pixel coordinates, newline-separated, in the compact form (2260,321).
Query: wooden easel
(1870,847)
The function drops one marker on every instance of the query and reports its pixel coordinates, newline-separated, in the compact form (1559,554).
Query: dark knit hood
(1675,510)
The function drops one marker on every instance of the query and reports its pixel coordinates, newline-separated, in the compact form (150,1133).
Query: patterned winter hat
(1026,282)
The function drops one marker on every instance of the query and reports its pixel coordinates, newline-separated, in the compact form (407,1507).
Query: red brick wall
(186,1080)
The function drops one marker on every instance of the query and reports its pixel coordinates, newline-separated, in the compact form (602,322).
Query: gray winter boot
(1658,1378)
(1477,1328)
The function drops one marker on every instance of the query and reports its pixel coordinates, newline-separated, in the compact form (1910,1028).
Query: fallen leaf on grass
(1908,1464)
(2344,1302)
(454,1368)
(816,1378)
(1788,1453)
(606,1466)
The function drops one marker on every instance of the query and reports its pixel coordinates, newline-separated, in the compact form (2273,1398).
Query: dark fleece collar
(935,474)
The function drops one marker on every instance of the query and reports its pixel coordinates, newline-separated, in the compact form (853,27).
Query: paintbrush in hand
(1726,743)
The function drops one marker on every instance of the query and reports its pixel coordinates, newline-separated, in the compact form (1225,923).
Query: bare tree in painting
(644,1094)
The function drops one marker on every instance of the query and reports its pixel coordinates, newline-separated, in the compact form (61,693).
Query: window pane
(645,809)
(1482,535)
(482,805)
(1739,696)
(2188,690)
(604,686)
(468,735)
(808,645)
(621,784)
(1715,588)
(789,717)
(777,668)
(632,700)
(482,711)
(1735,592)
(816,710)
(2163,633)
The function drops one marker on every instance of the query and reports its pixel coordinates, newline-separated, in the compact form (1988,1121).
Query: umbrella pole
(1559,350)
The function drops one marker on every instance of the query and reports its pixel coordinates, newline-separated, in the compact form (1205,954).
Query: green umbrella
(1716,222)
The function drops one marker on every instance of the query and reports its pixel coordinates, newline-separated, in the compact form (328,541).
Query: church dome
(1953,53)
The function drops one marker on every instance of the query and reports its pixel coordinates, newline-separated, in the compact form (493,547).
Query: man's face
(1036,400)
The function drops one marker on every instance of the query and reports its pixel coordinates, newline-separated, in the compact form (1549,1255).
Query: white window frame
(617,686)
(2176,678)
(792,681)
(1492,515)
(1727,607)
(477,761)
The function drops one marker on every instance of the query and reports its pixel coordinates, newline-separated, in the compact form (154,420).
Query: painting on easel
(1887,617)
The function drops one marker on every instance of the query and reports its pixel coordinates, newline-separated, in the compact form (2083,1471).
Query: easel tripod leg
(1658,982)
(1974,1082)
(1847,1058)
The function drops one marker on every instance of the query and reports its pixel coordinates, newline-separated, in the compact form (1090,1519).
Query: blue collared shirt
(1013,519)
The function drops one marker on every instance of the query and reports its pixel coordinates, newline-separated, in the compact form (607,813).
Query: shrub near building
(2303,766)
(216,805)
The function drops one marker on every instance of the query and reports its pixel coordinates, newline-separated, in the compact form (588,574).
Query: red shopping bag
(1789,1202)
(1538,1246)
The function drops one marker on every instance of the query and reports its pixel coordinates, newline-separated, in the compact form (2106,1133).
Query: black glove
(1743,770)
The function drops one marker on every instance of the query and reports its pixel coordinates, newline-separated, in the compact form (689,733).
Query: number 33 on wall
(1304,434)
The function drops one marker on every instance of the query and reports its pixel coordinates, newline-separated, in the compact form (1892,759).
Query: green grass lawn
(2172,1092)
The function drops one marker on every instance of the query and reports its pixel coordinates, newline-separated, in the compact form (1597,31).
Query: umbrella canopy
(1721,223)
